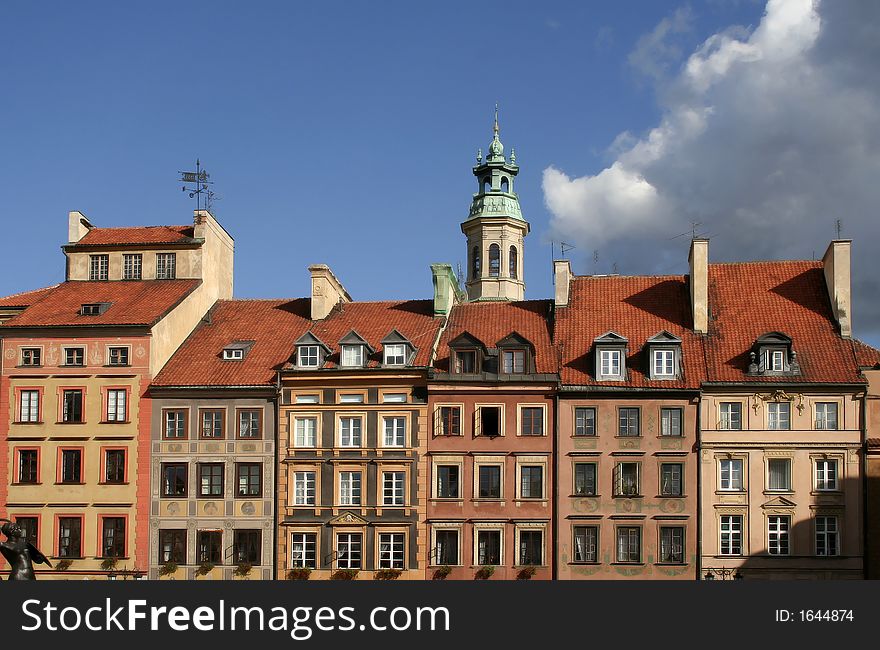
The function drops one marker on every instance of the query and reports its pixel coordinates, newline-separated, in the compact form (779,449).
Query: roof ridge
(748,262)
(139,227)
(24,293)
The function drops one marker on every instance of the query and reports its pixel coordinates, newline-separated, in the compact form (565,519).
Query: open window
(489,421)
(772,354)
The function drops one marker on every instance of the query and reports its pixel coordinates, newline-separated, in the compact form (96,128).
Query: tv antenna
(838,226)
(197,183)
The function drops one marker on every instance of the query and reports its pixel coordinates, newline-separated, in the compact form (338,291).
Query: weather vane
(196,183)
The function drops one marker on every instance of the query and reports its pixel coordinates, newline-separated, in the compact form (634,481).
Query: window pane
(586,542)
(585,421)
(628,422)
(670,422)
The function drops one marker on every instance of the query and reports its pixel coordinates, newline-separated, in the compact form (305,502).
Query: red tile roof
(26,298)
(866,356)
(748,299)
(273,326)
(373,321)
(137,235)
(131,303)
(637,308)
(490,322)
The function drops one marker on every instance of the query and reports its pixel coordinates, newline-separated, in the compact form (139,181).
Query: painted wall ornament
(19,552)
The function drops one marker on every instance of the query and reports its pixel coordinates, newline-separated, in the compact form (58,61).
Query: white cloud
(766,137)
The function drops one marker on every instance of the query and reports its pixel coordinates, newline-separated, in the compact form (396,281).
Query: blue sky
(344,132)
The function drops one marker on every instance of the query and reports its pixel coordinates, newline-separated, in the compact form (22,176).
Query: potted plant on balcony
(484,572)
(63,565)
(243,570)
(387,574)
(344,574)
(299,573)
(526,573)
(168,569)
(205,568)
(441,572)
(108,564)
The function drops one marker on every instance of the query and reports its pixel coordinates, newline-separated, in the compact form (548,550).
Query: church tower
(495,228)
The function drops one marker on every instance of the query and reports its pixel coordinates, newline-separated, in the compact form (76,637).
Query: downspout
(275,506)
(863,416)
(554,511)
(699,445)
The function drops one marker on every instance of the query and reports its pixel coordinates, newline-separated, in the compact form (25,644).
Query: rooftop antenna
(838,226)
(595,261)
(565,248)
(197,182)
(614,268)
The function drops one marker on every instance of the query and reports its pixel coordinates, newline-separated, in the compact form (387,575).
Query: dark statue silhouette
(19,552)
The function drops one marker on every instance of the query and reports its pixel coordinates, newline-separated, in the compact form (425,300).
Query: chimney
(446,290)
(327,291)
(698,260)
(562,281)
(77,226)
(836,263)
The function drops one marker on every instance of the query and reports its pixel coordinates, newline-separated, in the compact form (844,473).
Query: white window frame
(827,478)
(730,526)
(300,439)
(306,539)
(393,484)
(99,268)
(728,484)
(308,356)
(166,266)
(349,541)
(132,266)
(822,420)
(351,398)
(774,416)
(117,409)
(352,356)
(608,360)
(398,431)
(776,361)
(346,430)
(391,352)
(235,354)
(394,398)
(725,419)
(351,488)
(395,556)
(779,532)
(663,421)
(663,363)
(29,406)
(826,534)
(305,487)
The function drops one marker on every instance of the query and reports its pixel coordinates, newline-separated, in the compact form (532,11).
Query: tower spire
(495,128)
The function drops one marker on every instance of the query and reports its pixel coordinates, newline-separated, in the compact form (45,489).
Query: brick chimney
(562,281)
(698,260)
(77,226)
(836,263)
(327,291)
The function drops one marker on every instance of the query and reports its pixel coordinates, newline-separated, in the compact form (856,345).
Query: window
(490,420)
(350,432)
(210,479)
(826,474)
(663,364)
(30,529)
(488,547)
(586,543)
(489,482)
(118,356)
(353,355)
(166,264)
(827,539)
(532,482)
(672,544)
(391,550)
(304,488)
(511,262)
(395,354)
(445,547)
(71,466)
(447,481)
(31,356)
(531,547)
(308,356)
(92,309)
(117,405)
(348,550)
(494,261)
(249,479)
(246,546)
(175,424)
(532,421)
(114,466)
(466,361)
(304,550)
(345,398)
(172,546)
(777,360)
(98,267)
(72,406)
(350,488)
(305,432)
(777,534)
(113,537)
(394,398)
(74,356)
(731,474)
(475,262)
(513,362)
(69,537)
(212,423)
(233,354)
(131,266)
(450,421)
(174,479)
(628,422)
(585,421)
(626,480)
(393,488)
(731,534)
(779,415)
(249,423)
(670,479)
(394,432)
(826,415)
(29,406)
(629,544)
(779,474)
(670,422)
(731,416)
(585,479)
(609,363)
(209,545)
(28,466)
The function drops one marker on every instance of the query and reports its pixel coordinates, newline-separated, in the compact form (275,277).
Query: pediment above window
(773,354)
(610,338)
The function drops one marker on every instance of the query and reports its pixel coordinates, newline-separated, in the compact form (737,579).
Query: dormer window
(396,349)
(466,361)
(353,355)
(513,362)
(93,308)
(354,350)
(610,355)
(237,350)
(664,356)
(514,355)
(310,351)
(772,354)
(308,356)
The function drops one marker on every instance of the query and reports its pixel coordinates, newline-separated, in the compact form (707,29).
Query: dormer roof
(310,339)
(353,338)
